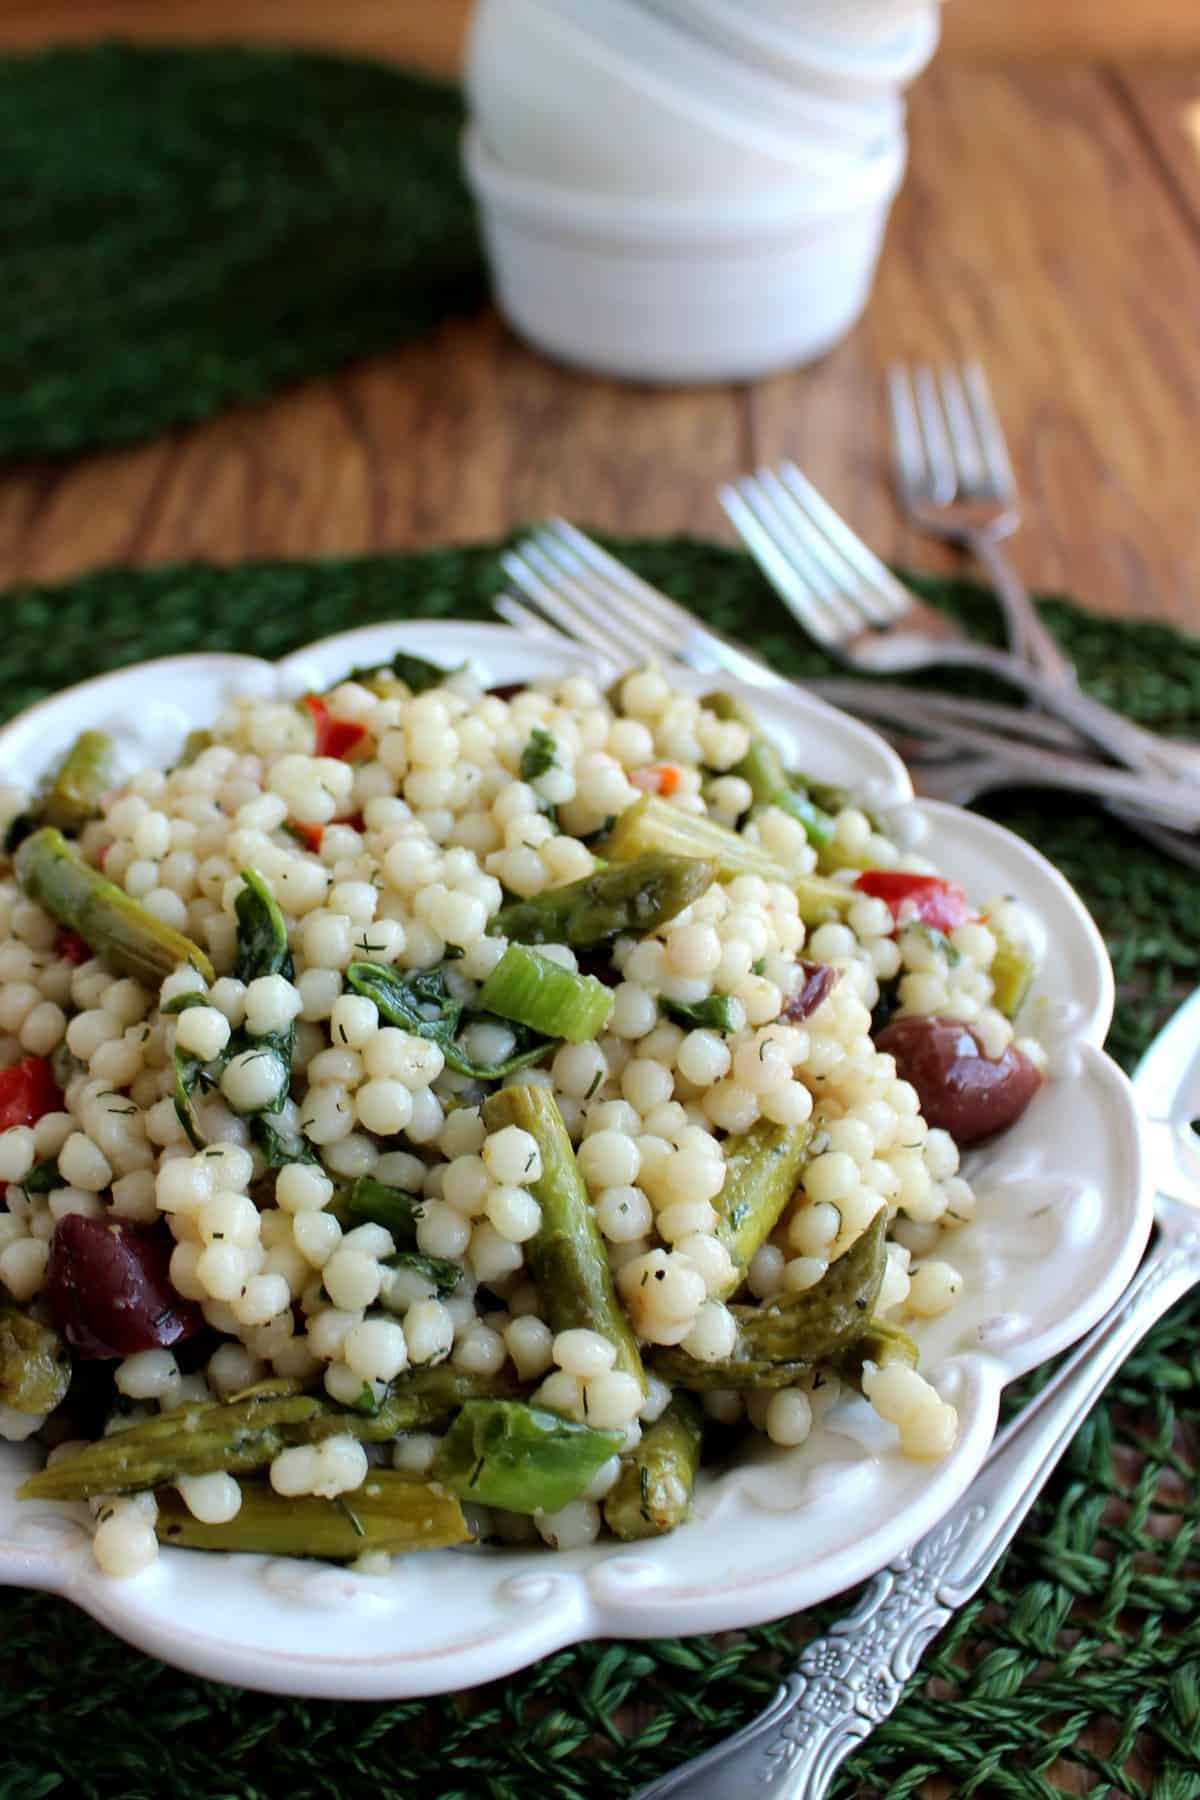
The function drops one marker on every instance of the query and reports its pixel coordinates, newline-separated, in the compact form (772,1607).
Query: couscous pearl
(608,1159)
(645,1085)
(328,1330)
(491,1256)
(789,1417)
(442,1231)
(23,1267)
(429,1331)
(933,1289)
(623,1213)
(479,1350)
(202,1031)
(351,1279)
(18,1153)
(512,1157)
(124,1544)
(376,1349)
(82,1165)
(703,1058)
(514,1212)
(384,1107)
(253,1080)
(213,1499)
(584,1353)
(612,1400)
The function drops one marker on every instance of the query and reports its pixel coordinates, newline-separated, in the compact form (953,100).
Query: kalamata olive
(816,984)
(109,1288)
(508,690)
(962,1091)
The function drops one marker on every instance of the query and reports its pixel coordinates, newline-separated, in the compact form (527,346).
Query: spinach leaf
(416,672)
(441,1275)
(719,1012)
(539,754)
(42,1177)
(262,935)
(371,1202)
(281,1147)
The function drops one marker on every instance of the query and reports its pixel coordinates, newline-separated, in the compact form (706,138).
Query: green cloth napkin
(188,228)
(1084,1649)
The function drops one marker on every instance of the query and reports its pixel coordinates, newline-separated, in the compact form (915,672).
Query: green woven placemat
(1082,1654)
(186,228)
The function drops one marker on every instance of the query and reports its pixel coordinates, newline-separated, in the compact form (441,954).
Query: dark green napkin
(187,228)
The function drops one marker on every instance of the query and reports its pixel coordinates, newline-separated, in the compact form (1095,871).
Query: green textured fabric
(1084,1651)
(187,228)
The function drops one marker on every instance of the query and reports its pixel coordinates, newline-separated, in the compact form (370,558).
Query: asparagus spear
(652,825)
(533,990)
(248,1432)
(389,1512)
(128,937)
(793,1330)
(371,1202)
(650,886)
(654,1490)
(719,1012)
(567,1255)
(84,775)
(762,1168)
(35,1370)
(523,1458)
(762,769)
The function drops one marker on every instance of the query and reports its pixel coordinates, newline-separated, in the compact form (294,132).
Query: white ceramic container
(666,291)
(813,48)
(607,96)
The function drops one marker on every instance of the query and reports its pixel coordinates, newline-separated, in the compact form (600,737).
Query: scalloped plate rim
(127,1609)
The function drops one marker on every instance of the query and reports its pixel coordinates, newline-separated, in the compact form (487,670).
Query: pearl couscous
(421,1095)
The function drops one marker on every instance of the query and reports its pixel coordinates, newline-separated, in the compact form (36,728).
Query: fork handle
(1033,644)
(847,1683)
(1028,638)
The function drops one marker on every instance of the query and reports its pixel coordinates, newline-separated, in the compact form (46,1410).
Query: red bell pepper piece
(335,737)
(28,1091)
(656,778)
(932,900)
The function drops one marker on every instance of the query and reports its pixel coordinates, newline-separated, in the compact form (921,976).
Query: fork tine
(908,446)
(558,561)
(804,544)
(650,601)
(989,430)
(968,458)
(890,595)
(551,600)
(942,483)
(531,624)
(784,577)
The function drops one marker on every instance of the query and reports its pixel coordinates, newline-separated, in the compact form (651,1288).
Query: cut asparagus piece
(370,1202)
(635,898)
(249,1431)
(794,1330)
(1013,969)
(35,1369)
(762,1170)
(533,990)
(522,1458)
(653,1493)
(881,1344)
(130,939)
(80,783)
(720,1012)
(769,782)
(390,1512)
(567,1254)
(653,825)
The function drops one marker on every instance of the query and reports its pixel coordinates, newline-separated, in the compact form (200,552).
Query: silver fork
(596,600)
(956,481)
(850,602)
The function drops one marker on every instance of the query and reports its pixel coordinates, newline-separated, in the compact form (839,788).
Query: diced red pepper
(935,902)
(335,737)
(70,945)
(656,778)
(311,835)
(28,1091)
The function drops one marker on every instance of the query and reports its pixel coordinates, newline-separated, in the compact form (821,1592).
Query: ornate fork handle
(847,1683)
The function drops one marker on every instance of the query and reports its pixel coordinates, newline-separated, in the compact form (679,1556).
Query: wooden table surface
(1050,223)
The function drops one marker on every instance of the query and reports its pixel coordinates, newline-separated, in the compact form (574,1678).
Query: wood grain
(431,30)
(1164,99)
(1036,231)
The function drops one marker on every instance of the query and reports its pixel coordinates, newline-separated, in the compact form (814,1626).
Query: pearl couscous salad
(430,1114)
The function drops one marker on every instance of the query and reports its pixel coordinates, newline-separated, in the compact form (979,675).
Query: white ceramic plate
(1063,1218)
